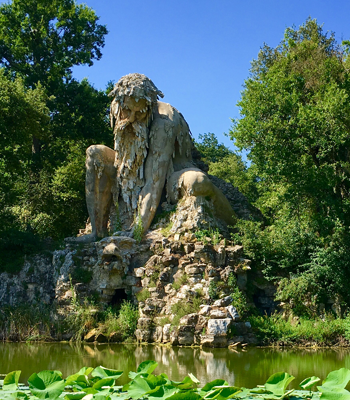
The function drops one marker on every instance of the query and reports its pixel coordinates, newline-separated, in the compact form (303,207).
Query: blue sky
(198,52)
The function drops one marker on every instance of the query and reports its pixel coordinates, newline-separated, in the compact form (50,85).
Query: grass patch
(143,295)
(275,330)
(183,308)
(179,282)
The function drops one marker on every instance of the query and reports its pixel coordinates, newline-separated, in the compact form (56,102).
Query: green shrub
(143,295)
(276,330)
(127,319)
(239,300)
(183,308)
(179,282)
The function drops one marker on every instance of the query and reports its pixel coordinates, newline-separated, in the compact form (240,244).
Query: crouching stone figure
(151,161)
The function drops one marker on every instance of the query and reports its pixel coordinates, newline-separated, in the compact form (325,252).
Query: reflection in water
(247,368)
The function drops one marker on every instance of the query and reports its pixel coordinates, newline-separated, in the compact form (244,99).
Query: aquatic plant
(100,384)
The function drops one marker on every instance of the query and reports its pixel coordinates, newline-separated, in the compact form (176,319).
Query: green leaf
(14,395)
(334,394)
(104,382)
(185,396)
(74,396)
(46,384)
(194,379)
(187,383)
(337,379)
(277,383)
(85,371)
(210,385)
(146,367)
(11,380)
(138,387)
(309,382)
(103,372)
(223,393)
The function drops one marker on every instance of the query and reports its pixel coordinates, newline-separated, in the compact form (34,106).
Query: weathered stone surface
(144,323)
(204,310)
(223,302)
(166,332)
(142,335)
(140,272)
(157,334)
(192,269)
(210,340)
(218,327)
(90,336)
(233,313)
(189,319)
(218,314)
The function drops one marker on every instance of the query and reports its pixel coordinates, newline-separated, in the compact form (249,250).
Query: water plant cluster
(100,383)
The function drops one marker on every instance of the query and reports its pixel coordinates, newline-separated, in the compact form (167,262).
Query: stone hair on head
(138,86)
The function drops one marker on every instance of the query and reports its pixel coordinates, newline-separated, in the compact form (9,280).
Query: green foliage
(127,319)
(277,330)
(183,279)
(239,300)
(213,290)
(26,323)
(48,119)
(227,165)
(99,383)
(138,228)
(42,41)
(183,308)
(213,235)
(143,295)
(295,121)
(210,149)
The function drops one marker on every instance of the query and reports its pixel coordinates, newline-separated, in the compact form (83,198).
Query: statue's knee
(197,183)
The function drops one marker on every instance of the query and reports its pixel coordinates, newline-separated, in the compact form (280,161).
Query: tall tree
(296,120)
(295,123)
(40,42)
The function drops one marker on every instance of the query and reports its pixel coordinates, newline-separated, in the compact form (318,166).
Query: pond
(241,367)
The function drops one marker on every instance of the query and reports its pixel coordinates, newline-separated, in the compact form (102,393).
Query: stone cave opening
(118,297)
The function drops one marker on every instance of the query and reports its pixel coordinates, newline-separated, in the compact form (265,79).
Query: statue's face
(134,110)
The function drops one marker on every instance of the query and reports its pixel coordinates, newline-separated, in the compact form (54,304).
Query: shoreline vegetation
(118,324)
(101,383)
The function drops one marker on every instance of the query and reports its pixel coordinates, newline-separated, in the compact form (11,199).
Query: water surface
(241,368)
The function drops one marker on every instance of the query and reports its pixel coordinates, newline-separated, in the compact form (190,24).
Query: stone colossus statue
(151,161)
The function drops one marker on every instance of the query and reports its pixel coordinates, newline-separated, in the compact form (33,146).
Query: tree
(41,40)
(295,123)
(227,165)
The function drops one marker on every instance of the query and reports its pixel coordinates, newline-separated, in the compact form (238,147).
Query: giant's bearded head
(134,101)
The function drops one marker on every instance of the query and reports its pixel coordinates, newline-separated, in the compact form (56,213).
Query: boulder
(186,335)
(218,327)
(218,314)
(209,340)
(204,310)
(189,319)
(233,313)
(143,335)
(223,302)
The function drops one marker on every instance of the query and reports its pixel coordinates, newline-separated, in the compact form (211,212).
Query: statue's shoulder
(167,111)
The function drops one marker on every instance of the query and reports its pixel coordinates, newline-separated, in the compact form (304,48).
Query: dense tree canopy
(40,42)
(227,165)
(295,123)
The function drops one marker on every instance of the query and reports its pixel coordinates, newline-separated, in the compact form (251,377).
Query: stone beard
(130,145)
